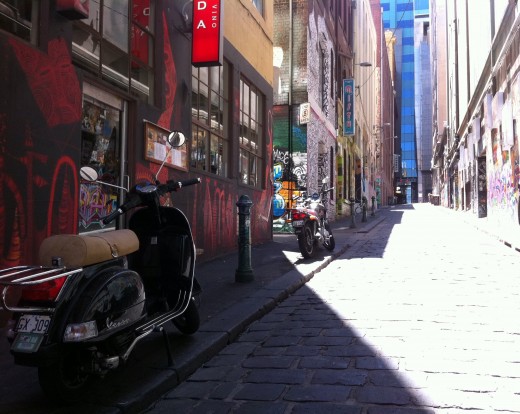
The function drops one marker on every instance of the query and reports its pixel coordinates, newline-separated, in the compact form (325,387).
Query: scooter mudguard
(114,300)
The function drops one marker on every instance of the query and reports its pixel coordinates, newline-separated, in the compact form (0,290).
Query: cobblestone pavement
(420,315)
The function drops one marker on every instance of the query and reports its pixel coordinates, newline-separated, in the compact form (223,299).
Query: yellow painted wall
(251,33)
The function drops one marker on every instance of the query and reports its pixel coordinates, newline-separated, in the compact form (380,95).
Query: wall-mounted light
(363,64)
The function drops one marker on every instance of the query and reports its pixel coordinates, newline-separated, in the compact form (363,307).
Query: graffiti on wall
(481,187)
(289,167)
(503,178)
(38,177)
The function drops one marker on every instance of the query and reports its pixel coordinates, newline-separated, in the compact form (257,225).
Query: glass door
(102,144)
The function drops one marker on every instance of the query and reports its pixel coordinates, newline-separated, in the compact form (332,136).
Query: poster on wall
(157,148)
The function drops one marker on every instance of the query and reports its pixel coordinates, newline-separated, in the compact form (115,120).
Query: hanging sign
(348,107)
(305,113)
(207,37)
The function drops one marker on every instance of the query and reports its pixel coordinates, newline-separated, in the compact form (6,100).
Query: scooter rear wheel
(63,381)
(188,323)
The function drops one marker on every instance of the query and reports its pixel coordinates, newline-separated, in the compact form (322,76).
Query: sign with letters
(348,107)
(305,113)
(207,39)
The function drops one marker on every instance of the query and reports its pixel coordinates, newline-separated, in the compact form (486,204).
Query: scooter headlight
(76,332)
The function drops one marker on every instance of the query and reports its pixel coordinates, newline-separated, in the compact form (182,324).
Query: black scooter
(81,312)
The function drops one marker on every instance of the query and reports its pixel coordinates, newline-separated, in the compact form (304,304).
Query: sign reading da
(207,39)
(348,107)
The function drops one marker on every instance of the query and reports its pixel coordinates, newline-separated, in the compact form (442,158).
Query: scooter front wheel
(329,244)
(63,381)
(306,241)
(188,322)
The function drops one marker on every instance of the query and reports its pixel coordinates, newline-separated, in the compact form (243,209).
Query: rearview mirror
(88,174)
(176,139)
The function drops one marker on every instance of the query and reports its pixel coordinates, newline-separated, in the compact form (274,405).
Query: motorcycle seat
(84,250)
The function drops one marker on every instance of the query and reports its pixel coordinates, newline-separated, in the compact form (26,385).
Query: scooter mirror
(88,174)
(176,139)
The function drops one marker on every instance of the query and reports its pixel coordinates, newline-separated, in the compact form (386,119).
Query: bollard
(373,206)
(352,213)
(244,272)
(364,210)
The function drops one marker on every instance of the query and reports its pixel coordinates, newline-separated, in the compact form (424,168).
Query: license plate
(38,324)
(297,223)
(27,342)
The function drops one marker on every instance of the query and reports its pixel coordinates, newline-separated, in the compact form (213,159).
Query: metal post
(352,213)
(364,209)
(373,206)
(244,272)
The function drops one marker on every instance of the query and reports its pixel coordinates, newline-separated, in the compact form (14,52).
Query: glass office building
(399,17)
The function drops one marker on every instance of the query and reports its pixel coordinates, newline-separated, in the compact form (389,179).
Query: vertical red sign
(207,44)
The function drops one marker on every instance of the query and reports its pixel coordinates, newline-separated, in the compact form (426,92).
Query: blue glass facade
(398,17)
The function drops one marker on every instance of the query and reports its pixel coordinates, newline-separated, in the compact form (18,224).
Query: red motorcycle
(310,224)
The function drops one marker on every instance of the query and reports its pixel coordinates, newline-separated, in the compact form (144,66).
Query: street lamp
(363,64)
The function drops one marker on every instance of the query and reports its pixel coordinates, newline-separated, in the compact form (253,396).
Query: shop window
(210,113)
(251,134)
(116,42)
(100,149)
(20,18)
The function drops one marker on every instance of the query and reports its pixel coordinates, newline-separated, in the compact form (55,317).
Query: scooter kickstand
(166,344)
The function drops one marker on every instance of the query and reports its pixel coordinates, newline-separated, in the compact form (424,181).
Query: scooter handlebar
(175,185)
(131,203)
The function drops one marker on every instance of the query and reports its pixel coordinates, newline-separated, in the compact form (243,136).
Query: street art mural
(503,171)
(38,126)
(289,167)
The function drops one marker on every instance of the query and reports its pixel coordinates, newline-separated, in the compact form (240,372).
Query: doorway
(103,143)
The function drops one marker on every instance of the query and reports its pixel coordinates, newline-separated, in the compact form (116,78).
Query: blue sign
(348,107)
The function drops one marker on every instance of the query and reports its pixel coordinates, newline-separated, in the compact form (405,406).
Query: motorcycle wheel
(306,241)
(63,381)
(331,243)
(188,323)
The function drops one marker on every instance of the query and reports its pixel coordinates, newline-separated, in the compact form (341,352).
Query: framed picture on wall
(157,147)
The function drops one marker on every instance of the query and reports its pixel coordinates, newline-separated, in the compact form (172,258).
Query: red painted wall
(40,135)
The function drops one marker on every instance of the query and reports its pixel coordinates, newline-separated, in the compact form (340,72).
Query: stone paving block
(277,376)
(329,408)
(281,341)
(328,341)
(318,393)
(270,351)
(399,410)
(303,351)
(260,392)
(376,363)
(383,395)
(258,407)
(339,377)
(320,362)
(268,362)
(351,351)
(224,390)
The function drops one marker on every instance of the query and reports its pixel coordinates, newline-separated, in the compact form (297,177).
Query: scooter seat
(84,250)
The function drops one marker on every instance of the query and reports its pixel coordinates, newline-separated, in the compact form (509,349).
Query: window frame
(134,69)
(210,150)
(18,19)
(255,127)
